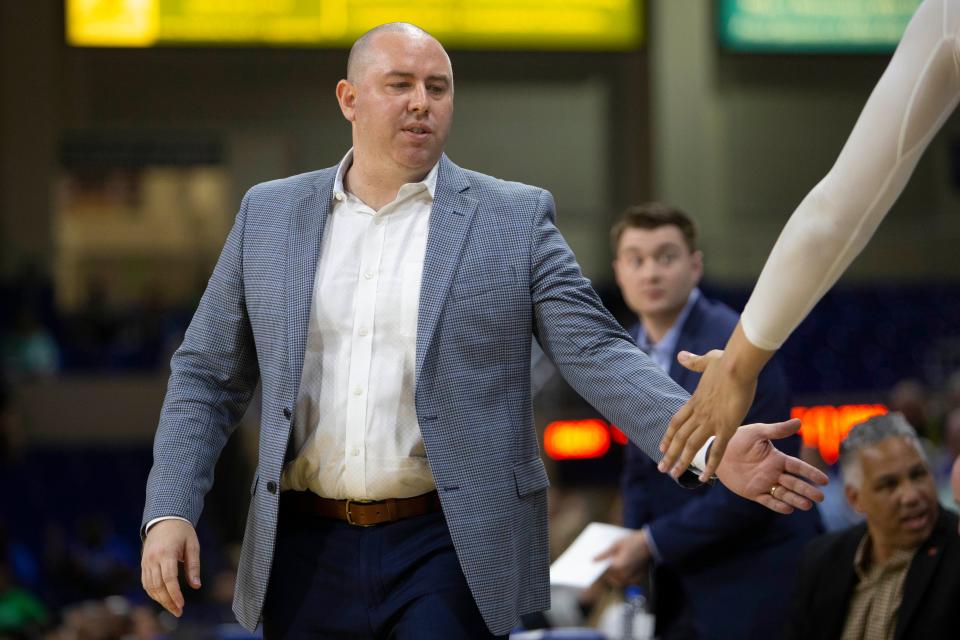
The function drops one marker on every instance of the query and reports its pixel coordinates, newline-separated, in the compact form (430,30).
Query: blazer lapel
(919,574)
(833,594)
(450,219)
(687,341)
(303,250)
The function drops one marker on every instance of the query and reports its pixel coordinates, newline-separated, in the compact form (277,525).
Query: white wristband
(700,459)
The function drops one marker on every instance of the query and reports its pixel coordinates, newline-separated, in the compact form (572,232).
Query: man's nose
(909,494)
(649,270)
(418,100)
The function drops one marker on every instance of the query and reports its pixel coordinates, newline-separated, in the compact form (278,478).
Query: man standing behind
(720,564)
(896,576)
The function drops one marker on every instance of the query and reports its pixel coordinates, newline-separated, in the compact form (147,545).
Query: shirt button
(363,332)
(339,196)
(368,275)
(355,451)
(358,391)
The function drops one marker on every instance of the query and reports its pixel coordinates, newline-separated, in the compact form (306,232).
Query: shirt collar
(340,192)
(669,342)
(864,566)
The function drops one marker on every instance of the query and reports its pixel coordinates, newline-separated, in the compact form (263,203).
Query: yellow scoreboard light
(597,25)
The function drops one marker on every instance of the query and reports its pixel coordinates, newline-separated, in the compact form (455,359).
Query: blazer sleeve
(590,349)
(638,508)
(706,522)
(213,376)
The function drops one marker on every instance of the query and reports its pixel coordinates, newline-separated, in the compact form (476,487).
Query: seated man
(896,576)
(721,564)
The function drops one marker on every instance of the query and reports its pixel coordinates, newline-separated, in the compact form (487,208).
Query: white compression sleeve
(918,91)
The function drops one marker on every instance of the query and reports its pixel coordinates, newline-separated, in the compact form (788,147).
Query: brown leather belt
(360,513)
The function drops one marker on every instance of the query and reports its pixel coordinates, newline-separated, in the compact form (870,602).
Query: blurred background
(130,129)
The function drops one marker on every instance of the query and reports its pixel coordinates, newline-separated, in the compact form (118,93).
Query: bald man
(387,306)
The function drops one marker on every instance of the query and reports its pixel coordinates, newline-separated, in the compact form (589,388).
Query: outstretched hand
(754,469)
(717,408)
(718,405)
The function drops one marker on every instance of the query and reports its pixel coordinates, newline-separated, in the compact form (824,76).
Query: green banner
(813,26)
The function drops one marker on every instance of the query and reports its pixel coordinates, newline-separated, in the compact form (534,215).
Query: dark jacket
(727,563)
(931,591)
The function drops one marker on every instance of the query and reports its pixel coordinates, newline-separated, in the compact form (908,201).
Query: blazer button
(272,486)
(287,413)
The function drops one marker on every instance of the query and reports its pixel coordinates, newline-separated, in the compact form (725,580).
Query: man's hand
(628,559)
(754,469)
(955,480)
(169,543)
(718,406)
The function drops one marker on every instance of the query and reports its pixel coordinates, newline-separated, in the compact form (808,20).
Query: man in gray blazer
(386,305)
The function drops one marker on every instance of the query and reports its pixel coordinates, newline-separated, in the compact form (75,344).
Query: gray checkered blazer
(496,271)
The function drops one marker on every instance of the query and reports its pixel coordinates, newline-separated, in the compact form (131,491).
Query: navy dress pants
(400,580)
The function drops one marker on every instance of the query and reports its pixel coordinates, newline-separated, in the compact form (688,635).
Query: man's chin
(419,160)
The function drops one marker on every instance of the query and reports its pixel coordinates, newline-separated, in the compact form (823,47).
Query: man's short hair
(653,215)
(869,433)
(362,44)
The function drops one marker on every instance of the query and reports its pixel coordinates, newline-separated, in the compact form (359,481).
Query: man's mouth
(916,521)
(418,129)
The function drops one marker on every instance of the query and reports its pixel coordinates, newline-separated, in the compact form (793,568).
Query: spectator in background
(909,397)
(949,451)
(951,398)
(897,575)
(29,349)
(22,614)
(720,564)
(103,563)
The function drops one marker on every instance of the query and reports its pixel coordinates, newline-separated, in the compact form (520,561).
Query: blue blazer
(496,273)
(733,559)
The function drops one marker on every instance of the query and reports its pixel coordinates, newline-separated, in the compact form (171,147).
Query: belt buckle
(350,514)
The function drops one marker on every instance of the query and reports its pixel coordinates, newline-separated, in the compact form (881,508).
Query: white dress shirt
(355,430)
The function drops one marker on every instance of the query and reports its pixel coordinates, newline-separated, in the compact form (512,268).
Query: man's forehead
(667,234)
(406,53)
(889,456)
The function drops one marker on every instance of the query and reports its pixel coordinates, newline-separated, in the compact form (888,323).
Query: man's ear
(853,497)
(615,265)
(697,258)
(347,98)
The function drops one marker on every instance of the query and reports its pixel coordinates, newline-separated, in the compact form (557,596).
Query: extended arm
(918,91)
